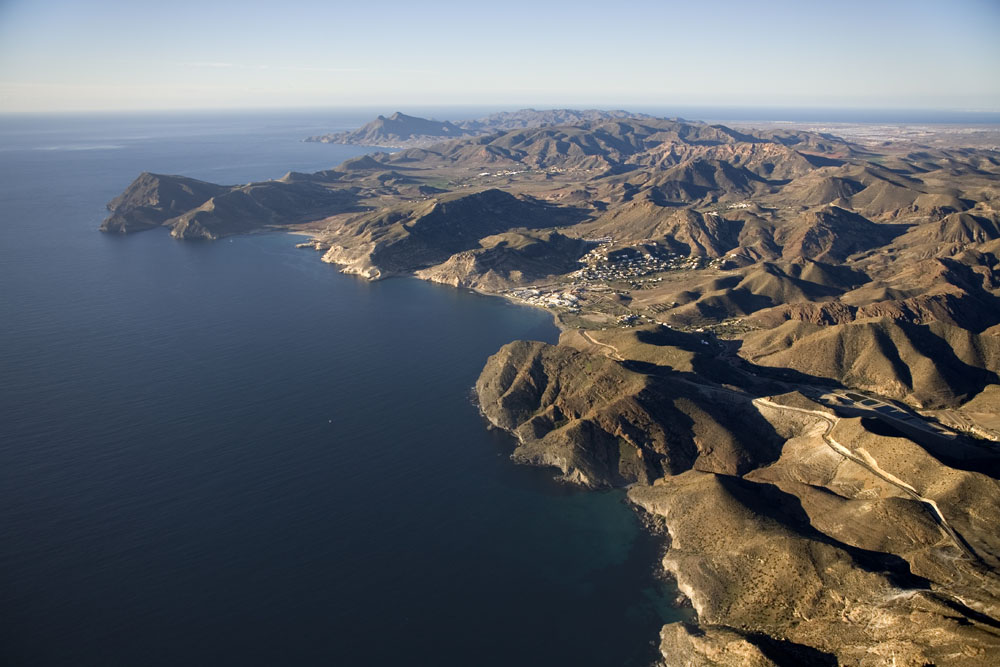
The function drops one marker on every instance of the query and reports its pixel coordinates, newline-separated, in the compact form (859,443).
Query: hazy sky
(117,54)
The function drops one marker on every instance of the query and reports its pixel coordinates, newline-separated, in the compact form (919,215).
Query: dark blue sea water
(229,454)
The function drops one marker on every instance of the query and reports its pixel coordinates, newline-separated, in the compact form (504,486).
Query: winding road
(866,461)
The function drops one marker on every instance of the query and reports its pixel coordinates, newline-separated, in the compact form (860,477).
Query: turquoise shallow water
(228,453)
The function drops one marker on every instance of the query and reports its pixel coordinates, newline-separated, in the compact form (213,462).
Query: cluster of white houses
(556,299)
(626,264)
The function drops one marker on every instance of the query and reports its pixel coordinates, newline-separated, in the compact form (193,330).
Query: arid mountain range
(786,345)
(402,131)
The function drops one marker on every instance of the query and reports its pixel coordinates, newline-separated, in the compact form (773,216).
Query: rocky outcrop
(418,236)
(800,536)
(154,199)
(582,414)
(510,259)
(697,646)
(195,209)
(258,206)
(396,131)
(604,425)
(766,583)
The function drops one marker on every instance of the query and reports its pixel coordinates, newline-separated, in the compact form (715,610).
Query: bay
(229,453)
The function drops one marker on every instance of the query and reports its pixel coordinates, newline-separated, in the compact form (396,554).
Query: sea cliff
(799,536)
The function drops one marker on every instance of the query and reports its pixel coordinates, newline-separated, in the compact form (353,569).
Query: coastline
(315,244)
(668,414)
(653,526)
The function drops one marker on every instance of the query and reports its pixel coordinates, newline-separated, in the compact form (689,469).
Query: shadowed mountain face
(510,257)
(396,130)
(725,296)
(928,365)
(833,234)
(152,200)
(414,237)
(196,209)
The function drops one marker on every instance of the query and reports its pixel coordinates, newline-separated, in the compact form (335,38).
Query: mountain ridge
(402,131)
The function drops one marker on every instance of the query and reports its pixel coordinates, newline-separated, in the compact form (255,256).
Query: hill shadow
(716,362)
(785,509)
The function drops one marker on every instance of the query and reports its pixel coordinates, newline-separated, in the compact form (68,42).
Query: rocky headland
(800,535)
(785,345)
(402,131)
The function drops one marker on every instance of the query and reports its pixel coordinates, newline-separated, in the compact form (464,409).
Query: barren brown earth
(784,342)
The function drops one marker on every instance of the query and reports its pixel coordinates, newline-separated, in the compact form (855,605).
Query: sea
(228,453)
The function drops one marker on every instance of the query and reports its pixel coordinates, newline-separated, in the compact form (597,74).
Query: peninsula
(784,343)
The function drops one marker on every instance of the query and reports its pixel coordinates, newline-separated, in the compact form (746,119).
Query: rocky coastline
(787,549)
(783,345)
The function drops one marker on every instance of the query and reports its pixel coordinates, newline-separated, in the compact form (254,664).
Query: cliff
(505,260)
(415,236)
(602,424)
(799,536)
(154,199)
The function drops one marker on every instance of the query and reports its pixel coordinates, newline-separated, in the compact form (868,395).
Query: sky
(58,55)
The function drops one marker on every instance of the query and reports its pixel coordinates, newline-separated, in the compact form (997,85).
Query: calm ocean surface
(228,453)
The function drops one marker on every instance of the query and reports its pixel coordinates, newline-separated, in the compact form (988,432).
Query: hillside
(410,238)
(787,520)
(930,365)
(196,209)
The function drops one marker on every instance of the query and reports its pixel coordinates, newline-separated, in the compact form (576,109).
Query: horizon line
(637,106)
